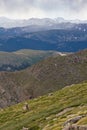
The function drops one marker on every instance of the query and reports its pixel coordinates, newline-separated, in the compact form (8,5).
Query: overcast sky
(24,9)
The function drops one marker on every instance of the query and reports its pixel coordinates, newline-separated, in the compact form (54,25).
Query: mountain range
(43,34)
(62,40)
(46,76)
(11,23)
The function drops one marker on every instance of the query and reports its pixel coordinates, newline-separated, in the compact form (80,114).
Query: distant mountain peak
(10,23)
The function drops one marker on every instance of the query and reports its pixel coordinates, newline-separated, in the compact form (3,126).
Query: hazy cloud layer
(44,8)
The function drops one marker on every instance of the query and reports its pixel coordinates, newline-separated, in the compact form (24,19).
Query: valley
(14,61)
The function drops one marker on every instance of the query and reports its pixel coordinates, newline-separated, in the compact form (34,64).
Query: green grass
(43,113)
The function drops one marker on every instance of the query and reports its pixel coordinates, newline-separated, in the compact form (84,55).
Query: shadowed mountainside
(12,61)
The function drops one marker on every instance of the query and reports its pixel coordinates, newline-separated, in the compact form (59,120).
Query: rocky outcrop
(76,127)
(74,120)
(70,124)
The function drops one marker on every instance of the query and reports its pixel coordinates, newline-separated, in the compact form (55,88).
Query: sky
(25,9)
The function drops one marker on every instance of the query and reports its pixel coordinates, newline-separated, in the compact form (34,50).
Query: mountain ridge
(46,76)
(21,59)
(71,40)
(9,23)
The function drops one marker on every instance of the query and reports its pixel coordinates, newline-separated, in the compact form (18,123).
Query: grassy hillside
(49,112)
(46,76)
(11,61)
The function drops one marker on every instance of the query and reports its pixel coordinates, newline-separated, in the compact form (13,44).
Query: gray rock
(73,120)
(25,128)
(76,127)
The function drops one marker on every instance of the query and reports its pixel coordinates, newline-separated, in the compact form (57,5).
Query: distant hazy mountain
(64,40)
(43,34)
(9,23)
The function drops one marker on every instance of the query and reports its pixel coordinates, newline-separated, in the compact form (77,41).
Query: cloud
(43,8)
(77,5)
(18,8)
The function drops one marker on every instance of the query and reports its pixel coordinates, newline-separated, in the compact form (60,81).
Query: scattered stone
(47,118)
(50,94)
(2,91)
(55,65)
(24,128)
(54,119)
